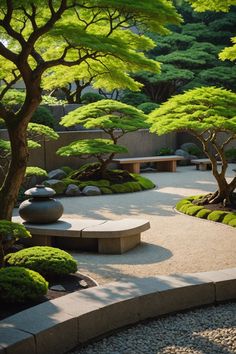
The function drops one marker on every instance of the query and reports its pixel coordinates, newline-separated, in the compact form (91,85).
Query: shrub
(148,107)
(165,151)
(193,209)
(203,213)
(134,98)
(42,115)
(18,284)
(228,218)
(48,261)
(217,215)
(11,232)
(35,171)
(90,97)
(230,154)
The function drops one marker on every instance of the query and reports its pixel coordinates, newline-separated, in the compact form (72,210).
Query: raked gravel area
(175,243)
(209,330)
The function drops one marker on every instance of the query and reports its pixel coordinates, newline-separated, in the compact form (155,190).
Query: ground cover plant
(188,206)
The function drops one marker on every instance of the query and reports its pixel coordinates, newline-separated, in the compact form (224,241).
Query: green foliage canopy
(196,110)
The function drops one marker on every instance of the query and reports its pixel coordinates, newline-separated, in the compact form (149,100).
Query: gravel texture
(210,330)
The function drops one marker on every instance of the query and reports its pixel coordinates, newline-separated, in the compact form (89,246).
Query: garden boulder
(91,190)
(57,174)
(72,189)
(58,186)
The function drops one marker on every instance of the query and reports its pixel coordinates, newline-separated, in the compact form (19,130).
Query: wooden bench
(203,164)
(161,163)
(102,236)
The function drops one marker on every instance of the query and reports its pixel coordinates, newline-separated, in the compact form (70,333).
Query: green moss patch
(217,215)
(203,213)
(126,187)
(193,209)
(188,207)
(144,182)
(228,218)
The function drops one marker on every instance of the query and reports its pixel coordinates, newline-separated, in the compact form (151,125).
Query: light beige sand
(175,242)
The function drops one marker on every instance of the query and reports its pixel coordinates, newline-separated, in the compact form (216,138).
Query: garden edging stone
(59,325)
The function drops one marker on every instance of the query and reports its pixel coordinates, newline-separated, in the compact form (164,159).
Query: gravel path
(176,243)
(209,330)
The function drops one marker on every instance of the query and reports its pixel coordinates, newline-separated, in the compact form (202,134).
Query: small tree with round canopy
(114,118)
(208,113)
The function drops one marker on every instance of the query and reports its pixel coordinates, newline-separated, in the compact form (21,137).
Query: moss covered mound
(48,261)
(19,285)
(187,207)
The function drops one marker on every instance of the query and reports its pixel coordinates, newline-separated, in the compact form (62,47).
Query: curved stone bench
(102,236)
(60,325)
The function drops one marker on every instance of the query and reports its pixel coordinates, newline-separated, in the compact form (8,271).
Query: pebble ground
(210,330)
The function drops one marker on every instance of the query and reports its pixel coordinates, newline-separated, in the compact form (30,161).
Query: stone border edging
(59,325)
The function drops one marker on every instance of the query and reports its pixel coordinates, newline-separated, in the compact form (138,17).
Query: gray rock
(58,186)
(57,287)
(183,153)
(72,189)
(91,190)
(57,174)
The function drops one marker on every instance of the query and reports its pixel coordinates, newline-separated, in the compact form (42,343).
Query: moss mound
(106,190)
(126,187)
(203,213)
(144,182)
(193,209)
(188,206)
(228,218)
(48,261)
(99,184)
(19,285)
(217,215)
(232,223)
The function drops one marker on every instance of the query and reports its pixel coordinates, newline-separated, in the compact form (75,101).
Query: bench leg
(167,166)
(202,167)
(132,167)
(118,245)
(38,240)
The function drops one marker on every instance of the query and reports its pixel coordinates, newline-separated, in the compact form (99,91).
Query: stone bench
(102,236)
(161,163)
(203,164)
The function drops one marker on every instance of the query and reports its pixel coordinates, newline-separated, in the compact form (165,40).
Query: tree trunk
(16,172)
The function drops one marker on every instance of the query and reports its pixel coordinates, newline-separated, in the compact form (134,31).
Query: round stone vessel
(40,208)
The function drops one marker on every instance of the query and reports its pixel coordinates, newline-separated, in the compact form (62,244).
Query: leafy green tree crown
(107,115)
(196,110)
(212,5)
(85,148)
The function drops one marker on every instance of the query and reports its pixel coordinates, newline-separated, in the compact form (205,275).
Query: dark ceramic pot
(41,208)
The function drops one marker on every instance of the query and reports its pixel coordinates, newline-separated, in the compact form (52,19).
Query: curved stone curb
(60,325)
